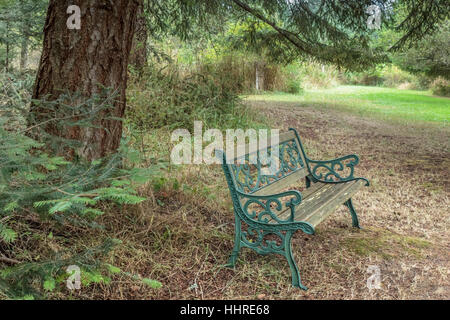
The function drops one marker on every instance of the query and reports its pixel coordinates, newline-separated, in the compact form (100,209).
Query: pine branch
(292,38)
(9,260)
(348,54)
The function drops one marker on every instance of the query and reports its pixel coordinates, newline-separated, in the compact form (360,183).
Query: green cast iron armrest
(332,166)
(335,169)
(265,202)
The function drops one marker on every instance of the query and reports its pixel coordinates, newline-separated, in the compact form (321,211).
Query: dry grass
(182,236)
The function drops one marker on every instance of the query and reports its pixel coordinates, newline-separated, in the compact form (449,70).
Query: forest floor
(183,235)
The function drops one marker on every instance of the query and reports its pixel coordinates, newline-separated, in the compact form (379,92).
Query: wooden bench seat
(267,204)
(319,202)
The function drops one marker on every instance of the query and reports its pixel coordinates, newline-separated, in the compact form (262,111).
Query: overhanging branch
(292,38)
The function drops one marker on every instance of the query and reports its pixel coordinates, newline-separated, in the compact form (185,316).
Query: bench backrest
(255,175)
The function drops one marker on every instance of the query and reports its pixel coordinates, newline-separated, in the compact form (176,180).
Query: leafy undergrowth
(47,202)
(183,234)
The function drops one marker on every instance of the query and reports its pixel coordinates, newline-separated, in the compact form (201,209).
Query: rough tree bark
(139,54)
(83,61)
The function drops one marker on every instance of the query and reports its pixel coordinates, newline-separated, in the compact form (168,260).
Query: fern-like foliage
(37,185)
(33,278)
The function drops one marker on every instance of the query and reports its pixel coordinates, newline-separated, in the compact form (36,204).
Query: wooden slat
(306,194)
(316,200)
(320,200)
(285,136)
(310,198)
(280,185)
(326,207)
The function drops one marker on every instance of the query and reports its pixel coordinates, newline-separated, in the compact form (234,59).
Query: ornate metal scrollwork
(255,171)
(269,207)
(257,239)
(251,218)
(336,170)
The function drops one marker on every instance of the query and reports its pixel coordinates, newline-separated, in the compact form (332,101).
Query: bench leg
(237,243)
(296,280)
(355,221)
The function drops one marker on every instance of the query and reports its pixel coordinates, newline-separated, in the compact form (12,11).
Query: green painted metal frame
(287,166)
(255,237)
(333,167)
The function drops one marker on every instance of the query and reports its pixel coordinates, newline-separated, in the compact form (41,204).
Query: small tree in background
(430,56)
(21,23)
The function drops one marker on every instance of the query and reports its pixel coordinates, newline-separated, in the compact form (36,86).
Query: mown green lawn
(387,103)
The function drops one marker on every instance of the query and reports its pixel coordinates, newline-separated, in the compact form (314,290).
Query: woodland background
(85,177)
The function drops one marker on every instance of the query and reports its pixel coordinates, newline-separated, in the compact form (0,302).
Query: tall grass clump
(318,76)
(441,87)
(173,98)
(389,76)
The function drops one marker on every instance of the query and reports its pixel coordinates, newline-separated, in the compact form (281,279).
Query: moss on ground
(385,244)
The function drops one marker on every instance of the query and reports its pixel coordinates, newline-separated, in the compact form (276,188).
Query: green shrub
(441,87)
(371,77)
(387,76)
(394,77)
(423,82)
(314,75)
(293,87)
(235,72)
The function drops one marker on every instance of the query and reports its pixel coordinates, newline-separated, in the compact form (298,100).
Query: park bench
(266,215)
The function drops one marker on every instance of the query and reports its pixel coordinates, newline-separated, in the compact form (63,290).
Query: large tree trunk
(84,61)
(139,54)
